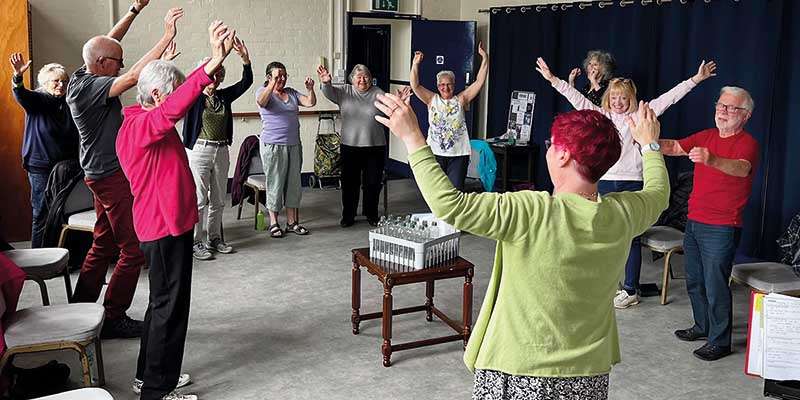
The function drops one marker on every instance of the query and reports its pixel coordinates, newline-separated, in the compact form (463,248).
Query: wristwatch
(654,146)
(133,9)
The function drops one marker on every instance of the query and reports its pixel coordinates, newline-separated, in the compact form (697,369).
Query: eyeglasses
(620,80)
(62,81)
(547,144)
(728,108)
(119,60)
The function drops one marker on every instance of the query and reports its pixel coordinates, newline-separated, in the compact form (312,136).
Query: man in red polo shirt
(725,160)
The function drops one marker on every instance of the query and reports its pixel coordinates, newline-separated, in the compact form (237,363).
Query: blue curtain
(755,43)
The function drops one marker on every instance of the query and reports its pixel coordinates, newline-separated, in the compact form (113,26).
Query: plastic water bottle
(261,221)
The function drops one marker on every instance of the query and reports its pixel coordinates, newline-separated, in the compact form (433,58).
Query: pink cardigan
(154,160)
(629,165)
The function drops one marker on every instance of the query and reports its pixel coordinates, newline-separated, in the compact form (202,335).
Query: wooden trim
(254,114)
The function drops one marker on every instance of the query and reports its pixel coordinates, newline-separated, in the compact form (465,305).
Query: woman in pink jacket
(165,209)
(618,103)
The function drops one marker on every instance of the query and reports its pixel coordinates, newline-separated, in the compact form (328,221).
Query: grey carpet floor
(272,321)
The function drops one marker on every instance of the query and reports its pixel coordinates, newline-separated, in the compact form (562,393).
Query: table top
(385,269)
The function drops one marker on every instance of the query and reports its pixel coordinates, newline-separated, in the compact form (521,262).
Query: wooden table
(505,152)
(391,275)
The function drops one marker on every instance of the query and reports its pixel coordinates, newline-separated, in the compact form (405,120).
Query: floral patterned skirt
(494,385)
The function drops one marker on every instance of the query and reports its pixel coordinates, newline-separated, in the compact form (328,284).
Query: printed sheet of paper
(754,359)
(781,337)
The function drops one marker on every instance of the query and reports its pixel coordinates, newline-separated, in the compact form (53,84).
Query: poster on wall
(520,115)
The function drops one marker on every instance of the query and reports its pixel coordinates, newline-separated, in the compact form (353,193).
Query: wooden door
(15,206)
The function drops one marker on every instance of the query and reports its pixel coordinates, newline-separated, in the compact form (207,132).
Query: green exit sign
(385,5)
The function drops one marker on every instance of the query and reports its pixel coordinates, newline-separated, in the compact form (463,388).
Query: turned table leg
(356,297)
(429,300)
(386,348)
(466,310)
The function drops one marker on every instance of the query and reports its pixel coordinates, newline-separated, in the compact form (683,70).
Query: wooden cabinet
(15,209)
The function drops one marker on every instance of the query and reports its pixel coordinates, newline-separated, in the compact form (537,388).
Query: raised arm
(26,98)
(472,90)
(121,27)
(310,99)
(420,91)
(576,98)
(130,78)
(265,95)
(333,93)
(234,91)
(674,95)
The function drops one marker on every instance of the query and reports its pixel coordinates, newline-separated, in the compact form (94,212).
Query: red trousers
(113,234)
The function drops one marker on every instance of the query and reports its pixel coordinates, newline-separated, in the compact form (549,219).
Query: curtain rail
(584,5)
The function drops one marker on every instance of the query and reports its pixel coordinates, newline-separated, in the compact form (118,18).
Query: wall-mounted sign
(386,5)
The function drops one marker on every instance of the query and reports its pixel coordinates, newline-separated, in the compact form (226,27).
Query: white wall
(295,32)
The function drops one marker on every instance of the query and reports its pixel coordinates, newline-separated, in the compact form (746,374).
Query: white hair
(92,49)
(47,70)
(157,74)
(444,73)
(359,68)
(749,104)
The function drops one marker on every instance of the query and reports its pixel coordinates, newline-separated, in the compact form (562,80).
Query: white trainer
(183,380)
(176,395)
(625,300)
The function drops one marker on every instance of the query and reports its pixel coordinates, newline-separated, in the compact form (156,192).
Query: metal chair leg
(42,289)
(665,279)
(255,216)
(68,283)
(63,236)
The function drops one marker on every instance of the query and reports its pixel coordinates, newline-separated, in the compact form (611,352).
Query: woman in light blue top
(281,150)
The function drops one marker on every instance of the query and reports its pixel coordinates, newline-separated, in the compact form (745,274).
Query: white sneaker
(183,380)
(625,300)
(220,247)
(201,252)
(176,395)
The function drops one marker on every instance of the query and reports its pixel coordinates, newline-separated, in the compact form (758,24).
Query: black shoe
(689,335)
(710,352)
(124,328)
(346,223)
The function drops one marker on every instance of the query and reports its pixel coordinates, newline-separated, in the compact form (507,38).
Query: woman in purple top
(281,150)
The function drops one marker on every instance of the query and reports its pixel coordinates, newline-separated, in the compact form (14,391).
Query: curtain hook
(646,2)
(540,8)
(494,11)
(564,7)
(524,9)
(584,5)
(623,3)
(508,10)
(683,1)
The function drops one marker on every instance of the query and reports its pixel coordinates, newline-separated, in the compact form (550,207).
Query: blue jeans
(633,267)
(38,185)
(709,251)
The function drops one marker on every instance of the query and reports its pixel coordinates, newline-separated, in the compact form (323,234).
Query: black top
(595,96)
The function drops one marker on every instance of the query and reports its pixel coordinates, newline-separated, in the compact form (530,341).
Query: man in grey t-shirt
(93,97)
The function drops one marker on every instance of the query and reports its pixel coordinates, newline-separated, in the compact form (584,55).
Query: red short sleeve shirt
(718,198)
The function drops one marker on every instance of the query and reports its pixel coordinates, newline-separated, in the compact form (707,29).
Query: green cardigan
(548,308)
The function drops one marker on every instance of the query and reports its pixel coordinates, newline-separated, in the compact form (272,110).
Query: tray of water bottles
(416,240)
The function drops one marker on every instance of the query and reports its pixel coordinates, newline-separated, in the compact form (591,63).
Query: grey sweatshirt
(359,127)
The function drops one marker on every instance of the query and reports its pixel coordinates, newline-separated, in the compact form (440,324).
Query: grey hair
(444,73)
(91,49)
(606,61)
(157,74)
(48,69)
(749,104)
(359,68)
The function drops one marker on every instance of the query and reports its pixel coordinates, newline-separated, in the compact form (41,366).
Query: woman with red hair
(547,329)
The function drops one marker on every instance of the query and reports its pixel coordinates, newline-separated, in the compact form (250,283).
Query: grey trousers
(209,163)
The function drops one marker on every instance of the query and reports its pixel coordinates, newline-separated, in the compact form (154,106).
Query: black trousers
(167,317)
(362,169)
(455,168)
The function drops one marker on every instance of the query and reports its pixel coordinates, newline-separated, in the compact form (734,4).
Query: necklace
(589,196)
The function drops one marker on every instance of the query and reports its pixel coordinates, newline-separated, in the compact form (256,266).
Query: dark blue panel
(455,42)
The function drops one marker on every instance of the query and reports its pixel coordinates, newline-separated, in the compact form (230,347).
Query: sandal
(275,231)
(297,229)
